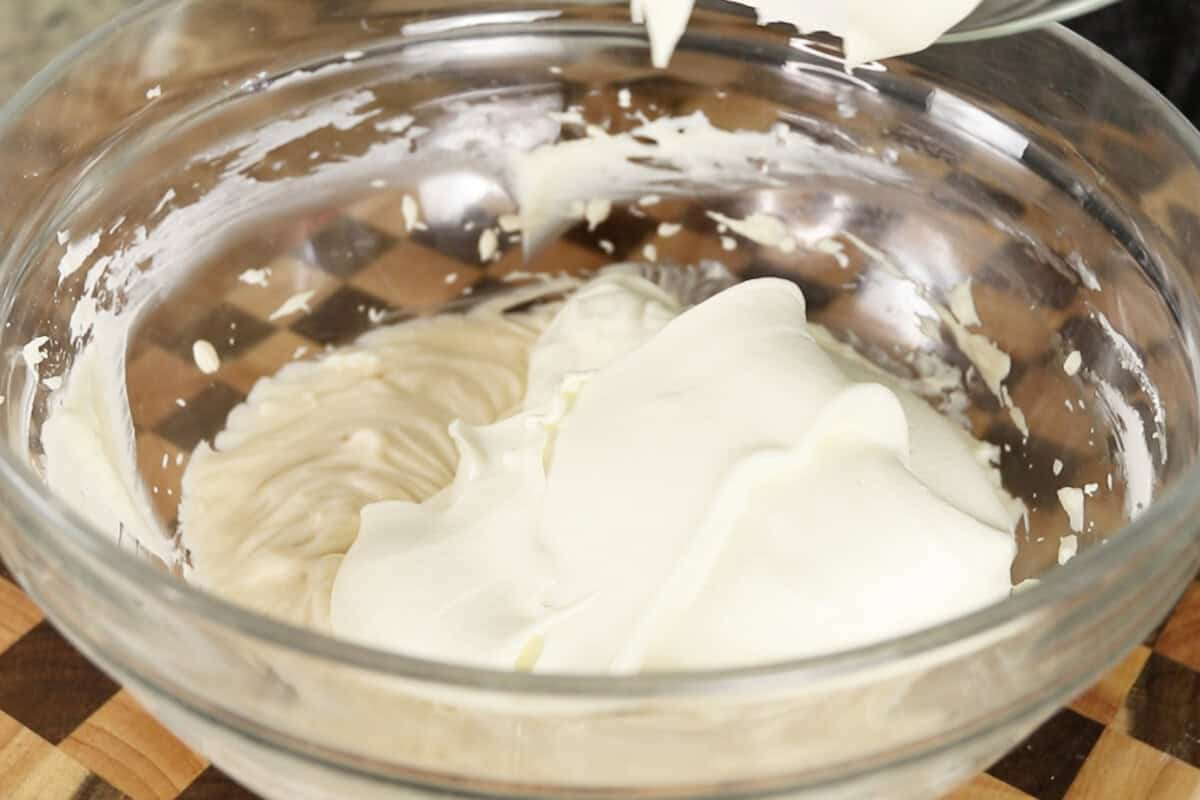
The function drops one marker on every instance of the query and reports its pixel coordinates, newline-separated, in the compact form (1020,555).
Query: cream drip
(870,31)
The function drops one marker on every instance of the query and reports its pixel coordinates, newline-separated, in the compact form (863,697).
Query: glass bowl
(192,141)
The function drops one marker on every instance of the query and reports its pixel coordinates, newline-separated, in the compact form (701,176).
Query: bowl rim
(75,541)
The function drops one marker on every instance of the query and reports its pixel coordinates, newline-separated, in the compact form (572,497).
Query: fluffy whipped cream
(614,482)
(869,30)
(679,488)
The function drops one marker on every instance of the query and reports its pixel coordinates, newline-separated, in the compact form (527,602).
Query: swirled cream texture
(614,483)
(269,510)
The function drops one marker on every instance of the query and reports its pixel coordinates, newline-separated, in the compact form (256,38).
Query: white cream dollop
(683,489)
(870,30)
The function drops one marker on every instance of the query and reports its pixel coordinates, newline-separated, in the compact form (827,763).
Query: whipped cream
(869,30)
(682,488)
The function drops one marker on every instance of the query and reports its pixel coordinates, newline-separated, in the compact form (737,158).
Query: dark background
(1159,39)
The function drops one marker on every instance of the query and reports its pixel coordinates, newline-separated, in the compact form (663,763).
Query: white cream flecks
(1072,363)
(293,305)
(834,248)
(205,356)
(962,304)
(595,211)
(34,352)
(256,277)
(990,362)
(77,253)
(489,242)
(411,212)
(685,154)
(760,228)
(1072,500)
(1068,546)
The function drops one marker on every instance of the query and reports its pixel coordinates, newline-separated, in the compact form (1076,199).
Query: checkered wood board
(68,731)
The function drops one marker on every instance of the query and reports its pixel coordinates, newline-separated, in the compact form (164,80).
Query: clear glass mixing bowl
(196,140)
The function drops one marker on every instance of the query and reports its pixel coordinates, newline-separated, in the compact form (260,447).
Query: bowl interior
(295,184)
